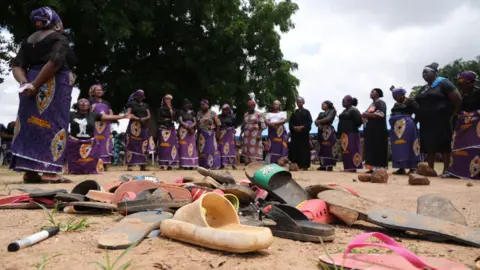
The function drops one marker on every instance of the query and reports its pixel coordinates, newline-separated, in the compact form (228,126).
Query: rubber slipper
(151,199)
(46,193)
(24,201)
(259,193)
(223,177)
(89,208)
(69,197)
(439,207)
(133,186)
(346,206)
(253,167)
(212,222)
(198,181)
(23,190)
(233,200)
(114,185)
(197,192)
(406,221)
(279,184)
(100,196)
(126,177)
(316,210)
(244,194)
(292,224)
(177,192)
(132,229)
(85,186)
(402,259)
(313,190)
(146,178)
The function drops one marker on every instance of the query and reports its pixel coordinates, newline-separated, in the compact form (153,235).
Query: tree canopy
(452,70)
(223,51)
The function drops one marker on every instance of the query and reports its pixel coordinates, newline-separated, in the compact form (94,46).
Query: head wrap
(397,92)
(44,18)
(251,102)
(227,107)
(379,91)
(162,104)
(205,101)
(432,67)
(301,99)
(277,102)
(91,91)
(186,102)
(329,104)
(467,76)
(138,93)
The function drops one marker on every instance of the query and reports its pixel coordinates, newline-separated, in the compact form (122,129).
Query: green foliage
(111,266)
(45,261)
(223,51)
(452,70)
(69,226)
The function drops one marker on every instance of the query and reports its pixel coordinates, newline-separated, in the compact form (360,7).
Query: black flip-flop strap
(283,221)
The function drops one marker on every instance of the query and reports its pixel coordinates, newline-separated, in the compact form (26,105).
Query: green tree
(223,51)
(452,70)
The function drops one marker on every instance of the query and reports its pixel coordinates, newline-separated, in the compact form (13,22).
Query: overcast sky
(350,46)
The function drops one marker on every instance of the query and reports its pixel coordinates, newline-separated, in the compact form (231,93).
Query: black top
(301,118)
(53,47)
(349,121)
(164,117)
(94,101)
(187,115)
(8,130)
(377,124)
(329,115)
(227,120)
(139,110)
(83,125)
(434,102)
(471,102)
(407,108)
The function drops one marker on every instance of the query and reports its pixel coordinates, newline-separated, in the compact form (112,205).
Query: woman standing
(208,127)
(277,135)
(466,138)
(227,137)
(349,122)
(167,141)
(42,66)
(438,101)
(6,136)
(326,137)
(103,131)
(136,140)
(376,132)
(83,150)
(253,125)
(404,134)
(300,125)
(186,134)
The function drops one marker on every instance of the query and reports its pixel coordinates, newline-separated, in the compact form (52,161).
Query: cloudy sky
(350,46)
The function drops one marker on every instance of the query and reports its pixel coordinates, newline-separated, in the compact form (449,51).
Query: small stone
(354,180)
(364,178)
(425,170)
(469,184)
(380,176)
(418,180)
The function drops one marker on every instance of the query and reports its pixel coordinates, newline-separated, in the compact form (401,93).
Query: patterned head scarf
(167,96)
(44,18)
(227,107)
(91,91)
(138,93)
(205,101)
(467,76)
(397,92)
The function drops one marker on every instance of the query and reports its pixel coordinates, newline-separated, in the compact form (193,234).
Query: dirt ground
(78,250)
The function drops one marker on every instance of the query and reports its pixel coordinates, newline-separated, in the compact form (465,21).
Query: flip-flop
(100,196)
(113,186)
(316,210)
(243,193)
(212,222)
(85,186)
(24,190)
(203,182)
(253,167)
(151,199)
(313,190)
(133,186)
(69,197)
(132,229)
(280,185)
(147,178)
(347,207)
(24,201)
(406,221)
(126,177)
(439,207)
(46,193)
(223,177)
(402,259)
(259,193)
(90,208)
(292,224)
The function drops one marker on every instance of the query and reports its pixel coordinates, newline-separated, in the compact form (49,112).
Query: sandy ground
(78,250)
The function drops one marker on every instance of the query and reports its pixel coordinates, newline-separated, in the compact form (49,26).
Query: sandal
(31,178)
(445,174)
(54,179)
(400,172)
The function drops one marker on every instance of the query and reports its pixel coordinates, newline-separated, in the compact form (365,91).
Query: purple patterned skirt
(208,148)
(103,134)
(277,139)
(351,147)
(227,147)
(136,142)
(187,148)
(404,142)
(41,127)
(83,156)
(328,147)
(167,143)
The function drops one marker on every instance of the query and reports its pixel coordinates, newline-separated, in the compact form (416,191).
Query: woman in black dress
(438,102)
(376,133)
(300,125)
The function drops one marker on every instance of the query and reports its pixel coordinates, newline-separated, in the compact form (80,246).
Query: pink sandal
(403,259)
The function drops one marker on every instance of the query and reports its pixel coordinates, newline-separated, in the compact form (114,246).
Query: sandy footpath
(78,249)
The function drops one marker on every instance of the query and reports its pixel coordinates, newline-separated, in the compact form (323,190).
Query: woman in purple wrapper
(102,131)
(186,137)
(137,134)
(349,122)
(465,162)
(83,155)
(277,135)
(404,134)
(438,102)
(226,137)
(326,137)
(167,141)
(43,66)
(208,126)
